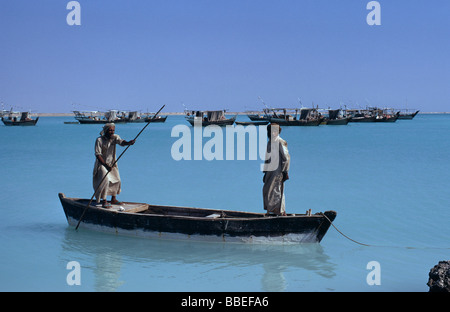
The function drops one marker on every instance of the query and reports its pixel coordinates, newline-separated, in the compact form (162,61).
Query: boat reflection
(111,254)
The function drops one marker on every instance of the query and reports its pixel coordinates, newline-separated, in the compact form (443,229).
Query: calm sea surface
(389,184)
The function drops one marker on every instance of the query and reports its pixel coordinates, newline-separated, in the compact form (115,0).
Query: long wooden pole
(115,162)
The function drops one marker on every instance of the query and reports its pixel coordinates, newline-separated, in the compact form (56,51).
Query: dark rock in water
(439,280)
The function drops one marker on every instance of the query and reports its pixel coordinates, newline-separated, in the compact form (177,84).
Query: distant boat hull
(198,121)
(157,119)
(8,122)
(301,122)
(258,117)
(88,121)
(336,122)
(388,118)
(172,222)
(362,119)
(407,116)
(254,123)
(148,119)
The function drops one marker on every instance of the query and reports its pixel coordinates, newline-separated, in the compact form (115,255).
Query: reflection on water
(110,254)
(107,271)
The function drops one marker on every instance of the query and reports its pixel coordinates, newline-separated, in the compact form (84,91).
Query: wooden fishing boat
(206,118)
(90,117)
(363,118)
(95,117)
(337,122)
(157,119)
(171,222)
(25,120)
(296,116)
(136,117)
(384,115)
(333,117)
(359,115)
(260,116)
(302,122)
(253,123)
(405,114)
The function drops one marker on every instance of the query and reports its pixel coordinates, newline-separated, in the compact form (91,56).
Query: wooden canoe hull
(172,222)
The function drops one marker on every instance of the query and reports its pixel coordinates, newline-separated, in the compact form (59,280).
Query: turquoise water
(389,184)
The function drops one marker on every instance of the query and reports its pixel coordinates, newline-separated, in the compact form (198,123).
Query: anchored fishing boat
(295,116)
(407,114)
(251,123)
(95,117)
(172,222)
(206,118)
(260,116)
(24,120)
(334,117)
(359,115)
(136,117)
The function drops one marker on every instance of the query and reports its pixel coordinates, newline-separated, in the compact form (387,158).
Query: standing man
(105,154)
(276,170)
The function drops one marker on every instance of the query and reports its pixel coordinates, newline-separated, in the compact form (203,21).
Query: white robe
(111,185)
(273,189)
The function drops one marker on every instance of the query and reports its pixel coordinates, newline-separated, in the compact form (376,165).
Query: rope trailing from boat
(321,213)
(343,233)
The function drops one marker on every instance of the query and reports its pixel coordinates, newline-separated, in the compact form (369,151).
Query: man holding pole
(105,147)
(106,178)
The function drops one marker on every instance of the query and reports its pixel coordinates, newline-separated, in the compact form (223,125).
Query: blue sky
(214,54)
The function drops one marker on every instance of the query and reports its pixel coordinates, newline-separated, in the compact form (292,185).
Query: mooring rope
(343,233)
(444,248)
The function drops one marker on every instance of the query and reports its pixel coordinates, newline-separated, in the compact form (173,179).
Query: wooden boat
(296,117)
(257,117)
(358,115)
(171,222)
(333,117)
(385,115)
(157,119)
(261,116)
(387,118)
(136,117)
(337,121)
(95,117)
(25,119)
(405,114)
(89,117)
(253,123)
(206,118)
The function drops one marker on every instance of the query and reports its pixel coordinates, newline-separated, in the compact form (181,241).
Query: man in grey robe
(276,170)
(105,154)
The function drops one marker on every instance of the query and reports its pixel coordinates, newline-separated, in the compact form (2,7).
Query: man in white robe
(276,170)
(105,154)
